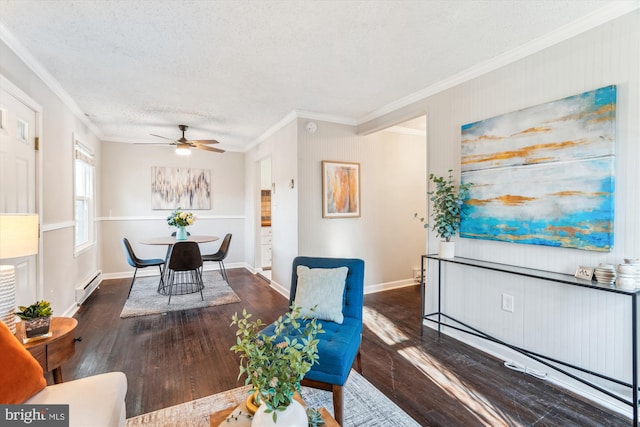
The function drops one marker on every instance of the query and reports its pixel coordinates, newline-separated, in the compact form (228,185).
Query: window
(84,197)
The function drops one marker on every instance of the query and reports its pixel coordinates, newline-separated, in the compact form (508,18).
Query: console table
(564,279)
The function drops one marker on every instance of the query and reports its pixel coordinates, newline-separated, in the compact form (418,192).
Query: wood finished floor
(181,356)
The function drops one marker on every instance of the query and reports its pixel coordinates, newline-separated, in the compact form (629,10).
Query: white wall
(61,270)
(589,328)
(126,202)
(393,188)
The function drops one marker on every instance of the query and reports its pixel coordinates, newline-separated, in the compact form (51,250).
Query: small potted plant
(37,318)
(181,220)
(447,211)
(275,364)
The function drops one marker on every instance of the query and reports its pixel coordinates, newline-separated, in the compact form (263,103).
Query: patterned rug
(364,406)
(145,300)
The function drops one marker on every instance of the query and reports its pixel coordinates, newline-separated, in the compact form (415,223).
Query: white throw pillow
(322,288)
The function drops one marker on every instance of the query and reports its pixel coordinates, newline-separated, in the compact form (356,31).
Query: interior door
(18,181)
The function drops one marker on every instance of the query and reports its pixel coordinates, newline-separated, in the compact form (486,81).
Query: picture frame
(543,175)
(584,273)
(340,189)
(185,188)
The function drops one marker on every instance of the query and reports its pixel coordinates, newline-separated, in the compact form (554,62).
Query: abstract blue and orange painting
(543,175)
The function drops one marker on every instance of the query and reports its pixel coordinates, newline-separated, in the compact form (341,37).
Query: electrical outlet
(507,303)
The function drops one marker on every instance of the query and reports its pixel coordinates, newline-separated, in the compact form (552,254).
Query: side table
(53,351)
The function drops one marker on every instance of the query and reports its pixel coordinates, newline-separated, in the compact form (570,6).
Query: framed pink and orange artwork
(340,189)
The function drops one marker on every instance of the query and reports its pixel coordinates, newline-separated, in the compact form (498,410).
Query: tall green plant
(448,206)
(275,364)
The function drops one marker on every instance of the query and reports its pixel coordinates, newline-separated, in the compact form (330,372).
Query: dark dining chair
(166,257)
(219,256)
(137,263)
(184,274)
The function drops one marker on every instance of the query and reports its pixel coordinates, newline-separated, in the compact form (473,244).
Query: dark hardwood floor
(180,356)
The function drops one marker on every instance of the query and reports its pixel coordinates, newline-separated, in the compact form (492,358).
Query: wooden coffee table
(219,418)
(53,351)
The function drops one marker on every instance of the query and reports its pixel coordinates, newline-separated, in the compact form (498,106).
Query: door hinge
(37,143)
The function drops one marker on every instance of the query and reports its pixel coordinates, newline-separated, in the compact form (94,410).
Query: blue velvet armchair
(339,346)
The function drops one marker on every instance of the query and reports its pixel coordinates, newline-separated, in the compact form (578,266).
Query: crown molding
(607,13)
(405,131)
(310,115)
(18,48)
(300,114)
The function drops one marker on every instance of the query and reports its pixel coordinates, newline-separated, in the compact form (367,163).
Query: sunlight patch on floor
(384,328)
(477,404)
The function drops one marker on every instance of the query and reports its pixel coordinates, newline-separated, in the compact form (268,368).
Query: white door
(18,181)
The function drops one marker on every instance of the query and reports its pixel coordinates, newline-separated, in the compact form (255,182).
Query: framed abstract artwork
(184,188)
(340,189)
(543,175)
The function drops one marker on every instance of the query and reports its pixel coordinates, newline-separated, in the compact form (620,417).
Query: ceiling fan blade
(204,147)
(204,141)
(163,137)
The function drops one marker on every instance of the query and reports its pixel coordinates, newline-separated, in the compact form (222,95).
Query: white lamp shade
(18,235)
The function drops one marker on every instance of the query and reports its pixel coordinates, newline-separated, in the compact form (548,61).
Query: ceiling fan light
(183,151)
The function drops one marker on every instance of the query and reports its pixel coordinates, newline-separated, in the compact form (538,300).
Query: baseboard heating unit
(83,291)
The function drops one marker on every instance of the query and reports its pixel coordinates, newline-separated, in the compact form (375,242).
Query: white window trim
(89,156)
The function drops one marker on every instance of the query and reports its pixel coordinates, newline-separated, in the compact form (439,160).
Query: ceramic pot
(181,234)
(253,402)
(447,249)
(293,415)
(37,327)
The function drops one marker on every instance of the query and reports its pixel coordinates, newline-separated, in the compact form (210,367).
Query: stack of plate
(605,274)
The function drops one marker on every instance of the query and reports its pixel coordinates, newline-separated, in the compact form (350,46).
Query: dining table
(170,241)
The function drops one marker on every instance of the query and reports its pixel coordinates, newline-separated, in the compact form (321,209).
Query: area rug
(145,300)
(364,406)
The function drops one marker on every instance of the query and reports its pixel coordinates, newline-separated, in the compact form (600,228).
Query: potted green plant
(448,208)
(275,364)
(37,318)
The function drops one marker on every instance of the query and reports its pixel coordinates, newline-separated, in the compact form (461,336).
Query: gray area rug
(364,406)
(145,299)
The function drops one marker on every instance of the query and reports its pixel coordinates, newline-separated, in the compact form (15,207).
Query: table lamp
(18,238)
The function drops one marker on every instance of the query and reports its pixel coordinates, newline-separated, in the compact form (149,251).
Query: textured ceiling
(232,69)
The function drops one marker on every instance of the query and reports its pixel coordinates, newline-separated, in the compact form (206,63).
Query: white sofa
(96,401)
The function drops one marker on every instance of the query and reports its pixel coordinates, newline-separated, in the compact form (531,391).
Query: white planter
(293,415)
(447,249)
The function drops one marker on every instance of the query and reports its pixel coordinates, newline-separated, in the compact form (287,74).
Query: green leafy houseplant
(447,206)
(34,311)
(275,364)
(37,318)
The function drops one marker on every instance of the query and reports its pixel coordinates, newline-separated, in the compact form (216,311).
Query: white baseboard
(389,286)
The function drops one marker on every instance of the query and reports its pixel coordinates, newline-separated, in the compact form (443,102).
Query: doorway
(263,254)
(18,166)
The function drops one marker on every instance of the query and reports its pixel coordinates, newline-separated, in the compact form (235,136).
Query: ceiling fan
(183,145)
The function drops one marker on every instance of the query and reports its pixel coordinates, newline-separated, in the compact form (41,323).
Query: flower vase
(181,234)
(293,415)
